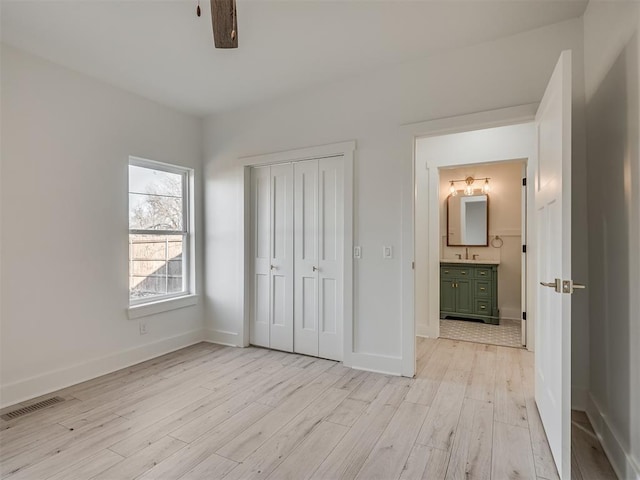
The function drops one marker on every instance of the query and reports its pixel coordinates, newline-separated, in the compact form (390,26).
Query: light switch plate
(357,252)
(387,252)
(143,328)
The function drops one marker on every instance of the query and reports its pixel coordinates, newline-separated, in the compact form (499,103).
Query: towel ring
(497,242)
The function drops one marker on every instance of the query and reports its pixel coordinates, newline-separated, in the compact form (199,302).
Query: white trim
(52,381)
(160,306)
(300,154)
(474,121)
(427,331)
(347,151)
(187,232)
(623,463)
(222,337)
(376,363)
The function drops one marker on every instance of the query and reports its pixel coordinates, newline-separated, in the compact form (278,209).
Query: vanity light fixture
(468,189)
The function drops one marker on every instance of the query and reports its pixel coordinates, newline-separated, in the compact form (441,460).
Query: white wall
(371,110)
(65,147)
(612,46)
(505,214)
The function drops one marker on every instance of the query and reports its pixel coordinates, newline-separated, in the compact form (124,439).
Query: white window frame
(148,306)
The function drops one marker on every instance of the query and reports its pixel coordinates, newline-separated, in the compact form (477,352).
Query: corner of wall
(621,459)
(222,337)
(55,380)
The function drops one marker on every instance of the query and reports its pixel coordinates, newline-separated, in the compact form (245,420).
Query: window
(159,231)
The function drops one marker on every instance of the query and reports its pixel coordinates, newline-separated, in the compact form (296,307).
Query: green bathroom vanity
(469,289)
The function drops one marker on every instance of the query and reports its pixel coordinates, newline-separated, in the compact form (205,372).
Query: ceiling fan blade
(225,23)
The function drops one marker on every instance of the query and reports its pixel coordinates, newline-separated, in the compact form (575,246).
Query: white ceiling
(161,50)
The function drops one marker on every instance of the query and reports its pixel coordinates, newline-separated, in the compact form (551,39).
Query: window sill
(152,308)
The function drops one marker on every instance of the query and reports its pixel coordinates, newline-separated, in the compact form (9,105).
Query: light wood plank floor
(210,412)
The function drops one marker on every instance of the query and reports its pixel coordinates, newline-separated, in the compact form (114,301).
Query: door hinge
(524,249)
(524,182)
(524,315)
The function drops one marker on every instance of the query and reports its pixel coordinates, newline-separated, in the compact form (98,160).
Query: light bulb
(468,190)
(452,190)
(486,188)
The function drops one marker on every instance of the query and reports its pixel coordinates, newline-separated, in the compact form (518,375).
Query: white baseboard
(49,382)
(427,331)
(222,337)
(376,363)
(625,466)
(579,399)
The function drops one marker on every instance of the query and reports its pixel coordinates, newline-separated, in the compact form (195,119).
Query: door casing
(347,151)
(506,117)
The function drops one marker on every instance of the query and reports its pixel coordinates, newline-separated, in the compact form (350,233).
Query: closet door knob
(273,267)
(315,269)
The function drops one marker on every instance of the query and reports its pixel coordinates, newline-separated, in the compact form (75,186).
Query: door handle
(563,286)
(568,286)
(315,269)
(556,285)
(273,267)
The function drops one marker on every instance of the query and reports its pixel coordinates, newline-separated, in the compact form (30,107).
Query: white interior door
(319,237)
(331,256)
(261,248)
(523,259)
(553,235)
(306,254)
(281,266)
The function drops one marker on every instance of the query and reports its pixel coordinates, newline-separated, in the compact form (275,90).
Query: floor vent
(18,412)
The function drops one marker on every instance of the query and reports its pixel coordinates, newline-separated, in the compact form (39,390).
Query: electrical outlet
(143,328)
(387,252)
(357,252)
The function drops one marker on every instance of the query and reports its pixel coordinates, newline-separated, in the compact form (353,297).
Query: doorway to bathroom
(483,253)
(474,269)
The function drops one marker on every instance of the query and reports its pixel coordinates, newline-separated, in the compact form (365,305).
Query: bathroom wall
(505,220)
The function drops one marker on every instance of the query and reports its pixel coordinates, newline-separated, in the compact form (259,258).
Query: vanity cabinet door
(464,296)
(447,295)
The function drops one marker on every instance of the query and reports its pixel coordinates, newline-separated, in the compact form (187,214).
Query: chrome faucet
(459,255)
(466,253)
(475,255)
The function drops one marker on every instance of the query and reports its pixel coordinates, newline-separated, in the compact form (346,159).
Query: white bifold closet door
(272,222)
(318,246)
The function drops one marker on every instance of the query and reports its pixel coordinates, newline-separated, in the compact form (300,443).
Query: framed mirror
(468,220)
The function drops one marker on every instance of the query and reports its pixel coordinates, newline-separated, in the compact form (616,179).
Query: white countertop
(477,261)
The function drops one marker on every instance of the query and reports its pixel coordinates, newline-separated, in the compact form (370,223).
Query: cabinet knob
(482,289)
(482,307)
(483,273)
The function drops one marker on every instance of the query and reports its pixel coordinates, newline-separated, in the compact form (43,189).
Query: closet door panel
(331,238)
(261,224)
(281,321)
(306,257)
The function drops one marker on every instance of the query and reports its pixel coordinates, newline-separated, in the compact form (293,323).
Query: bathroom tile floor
(506,334)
